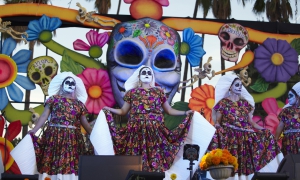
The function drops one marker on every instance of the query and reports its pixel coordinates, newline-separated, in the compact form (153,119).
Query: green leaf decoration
(67,64)
(172,122)
(176,48)
(260,85)
(136,33)
(296,45)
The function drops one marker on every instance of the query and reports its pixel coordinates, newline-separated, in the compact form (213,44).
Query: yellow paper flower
(173,176)
(218,157)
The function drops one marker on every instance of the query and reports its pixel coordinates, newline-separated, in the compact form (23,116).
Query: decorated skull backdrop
(233,37)
(41,70)
(144,42)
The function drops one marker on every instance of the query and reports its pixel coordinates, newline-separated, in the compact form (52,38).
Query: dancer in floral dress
(289,124)
(145,134)
(253,145)
(57,151)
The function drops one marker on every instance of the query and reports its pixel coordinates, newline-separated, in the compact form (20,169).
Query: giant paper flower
(97,84)
(96,41)
(13,129)
(9,68)
(192,47)
(41,29)
(276,60)
(271,121)
(202,100)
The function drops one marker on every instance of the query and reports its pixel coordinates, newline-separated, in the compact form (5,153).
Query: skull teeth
(229,53)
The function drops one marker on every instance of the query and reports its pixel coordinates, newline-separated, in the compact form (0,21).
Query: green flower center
(277,59)
(45,36)
(184,48)
(8,70)
(95,51)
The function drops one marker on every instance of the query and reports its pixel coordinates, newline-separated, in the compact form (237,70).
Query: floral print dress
(145,133)
(59,148)
(290,116)
(253,149)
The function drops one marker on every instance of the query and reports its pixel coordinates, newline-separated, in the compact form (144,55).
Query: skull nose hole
(230,45)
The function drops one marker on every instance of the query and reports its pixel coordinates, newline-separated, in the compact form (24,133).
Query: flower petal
(102,39)
(270,105)
(80,45)
(15,92)
(188,34)
(34,26)
(3,98)
(22,56)
(270,45)
(32,35)
(54,23)
(25,82)
(91,36)
(22,68)
(44,22)
(14,129)
(8,46)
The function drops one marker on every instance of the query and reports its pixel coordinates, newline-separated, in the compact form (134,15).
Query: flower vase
(220,172)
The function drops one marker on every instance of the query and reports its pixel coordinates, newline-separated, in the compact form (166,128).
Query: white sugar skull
(144,42)
(41,70)
(233,37)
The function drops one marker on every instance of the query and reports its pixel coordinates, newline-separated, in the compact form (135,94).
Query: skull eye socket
(129,54)
(225,35)
(36,76)
(164,58)
(238,41)
(48,70)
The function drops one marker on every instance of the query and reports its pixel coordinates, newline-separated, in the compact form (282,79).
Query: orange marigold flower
(202,100)
(215,160)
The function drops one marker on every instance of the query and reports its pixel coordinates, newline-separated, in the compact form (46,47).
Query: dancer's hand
(31,132)
(217,125)
(189,112)
(106,108)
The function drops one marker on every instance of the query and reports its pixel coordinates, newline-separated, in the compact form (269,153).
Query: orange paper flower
(202,100)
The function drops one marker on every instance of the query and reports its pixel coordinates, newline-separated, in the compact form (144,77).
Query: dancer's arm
(85,124)
(169,110)
(218,119)
(254,124)
(43,118)
(279,130)
(124,110)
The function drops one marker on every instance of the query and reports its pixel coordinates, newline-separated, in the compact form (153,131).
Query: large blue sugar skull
(144,42)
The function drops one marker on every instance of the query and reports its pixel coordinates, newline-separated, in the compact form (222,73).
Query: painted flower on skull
(144,42)
(9,69)
(97,85)
(276,60)
(96,41)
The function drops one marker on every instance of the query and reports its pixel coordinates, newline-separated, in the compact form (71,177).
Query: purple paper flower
(96,41)
(276,60)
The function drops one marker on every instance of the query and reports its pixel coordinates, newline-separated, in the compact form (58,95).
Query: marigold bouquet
(218,157)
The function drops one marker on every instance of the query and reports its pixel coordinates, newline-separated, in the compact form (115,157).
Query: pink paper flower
(161,2)
(98,87)
(96,41)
